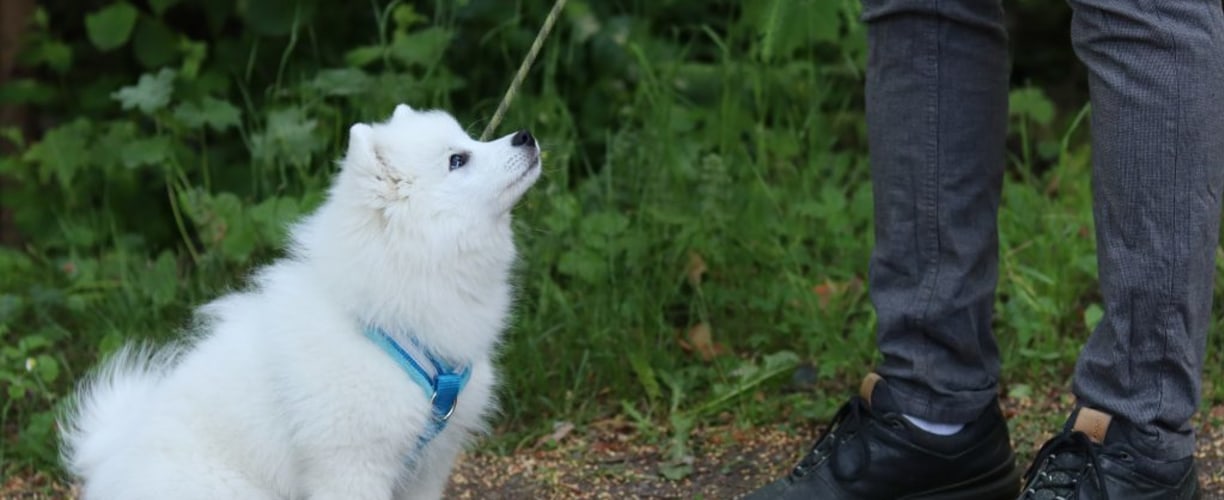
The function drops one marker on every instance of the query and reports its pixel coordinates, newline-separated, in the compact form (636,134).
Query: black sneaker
(871,451)
(1091,460)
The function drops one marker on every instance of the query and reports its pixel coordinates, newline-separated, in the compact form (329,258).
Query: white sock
(936,428)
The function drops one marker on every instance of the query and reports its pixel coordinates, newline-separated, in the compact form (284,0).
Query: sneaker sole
(1002,483)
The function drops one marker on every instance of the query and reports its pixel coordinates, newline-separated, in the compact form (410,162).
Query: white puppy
(290,390)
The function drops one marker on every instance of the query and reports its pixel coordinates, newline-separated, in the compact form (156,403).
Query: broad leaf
(161,280)
(222,223)
(786,25)
(362,56)
(55,54)
(109,28)
(272,218)
(1032,103)
(154,44)
(210,111)
(288,137)
(62,152)
(422,48)
(406,16)
(1092,316)
(48,368)
(341,82)
(145,151)
(149,94)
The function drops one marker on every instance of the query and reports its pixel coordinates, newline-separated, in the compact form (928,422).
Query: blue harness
(440,381)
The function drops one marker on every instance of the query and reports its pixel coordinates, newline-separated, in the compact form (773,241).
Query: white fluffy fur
(280,396)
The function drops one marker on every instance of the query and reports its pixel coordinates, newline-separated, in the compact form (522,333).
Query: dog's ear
(401,111)
(361,148)
(367,168)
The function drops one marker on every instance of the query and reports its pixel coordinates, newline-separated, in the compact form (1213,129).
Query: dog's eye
(458,160)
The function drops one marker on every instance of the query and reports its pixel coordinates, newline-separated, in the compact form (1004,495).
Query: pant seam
(1167,312)
(930,177)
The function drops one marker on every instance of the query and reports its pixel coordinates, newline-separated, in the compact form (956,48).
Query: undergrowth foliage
(695,251)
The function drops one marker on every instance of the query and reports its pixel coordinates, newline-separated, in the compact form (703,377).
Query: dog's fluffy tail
(108,403)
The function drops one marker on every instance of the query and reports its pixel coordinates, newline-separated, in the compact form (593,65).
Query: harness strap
(441,382)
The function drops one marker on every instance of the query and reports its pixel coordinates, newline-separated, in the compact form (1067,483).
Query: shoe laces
(1060,465)
(849,419)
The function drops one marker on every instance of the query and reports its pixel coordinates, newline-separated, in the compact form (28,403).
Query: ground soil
(727,463)
(608,460)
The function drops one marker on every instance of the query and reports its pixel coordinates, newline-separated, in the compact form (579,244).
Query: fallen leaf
(830,289)
(700,339)
(696,269)
(560,430)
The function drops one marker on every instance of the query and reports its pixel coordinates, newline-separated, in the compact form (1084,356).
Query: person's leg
(1156,78)
(936,119)
(1157,85)
(937,78)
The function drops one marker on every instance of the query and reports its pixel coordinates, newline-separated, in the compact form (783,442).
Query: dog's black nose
(522,138)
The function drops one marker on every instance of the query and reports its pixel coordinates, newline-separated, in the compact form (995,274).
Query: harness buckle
(449,411)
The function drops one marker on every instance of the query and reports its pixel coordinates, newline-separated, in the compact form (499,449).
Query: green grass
(674,135)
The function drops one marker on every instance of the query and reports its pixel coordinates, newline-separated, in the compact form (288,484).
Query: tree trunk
(14,19)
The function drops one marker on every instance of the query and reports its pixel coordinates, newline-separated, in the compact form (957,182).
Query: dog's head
(422,165)
(416,230)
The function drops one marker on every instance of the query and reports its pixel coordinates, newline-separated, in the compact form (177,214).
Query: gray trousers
(937,82)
